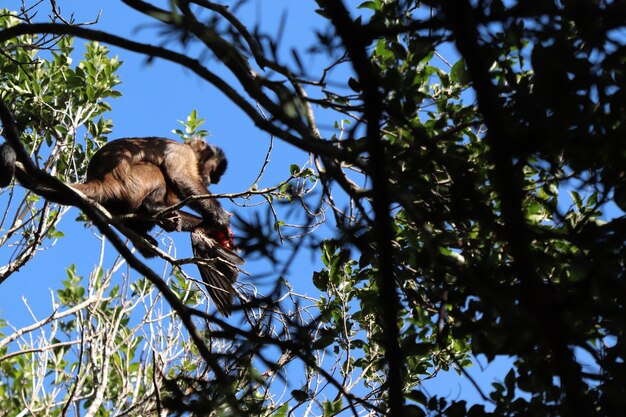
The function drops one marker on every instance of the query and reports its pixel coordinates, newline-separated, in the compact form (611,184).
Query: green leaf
(320,280)
(578,201)
(299,395)
(458,73)
(417,396)
(332,408)
(326,338)
(282,411)
(412,411)
(456,409)
(372,5)
(354,85)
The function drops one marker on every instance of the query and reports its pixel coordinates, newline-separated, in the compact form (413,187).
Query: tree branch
(354,41)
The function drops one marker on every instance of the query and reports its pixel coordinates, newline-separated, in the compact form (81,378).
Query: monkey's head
(212,161)
(216,165)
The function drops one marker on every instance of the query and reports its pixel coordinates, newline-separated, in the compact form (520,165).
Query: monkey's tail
(7,164)
(10,168)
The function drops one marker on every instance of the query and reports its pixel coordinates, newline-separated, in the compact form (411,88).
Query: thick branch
(352,37)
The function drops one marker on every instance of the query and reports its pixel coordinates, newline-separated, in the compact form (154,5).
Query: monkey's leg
(139,188)
(161,199)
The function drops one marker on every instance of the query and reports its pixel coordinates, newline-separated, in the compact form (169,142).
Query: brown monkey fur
(146,175)
(123,177)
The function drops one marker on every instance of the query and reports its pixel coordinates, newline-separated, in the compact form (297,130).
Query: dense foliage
(475,207)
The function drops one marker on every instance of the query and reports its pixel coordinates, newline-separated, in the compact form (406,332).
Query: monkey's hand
(220,230)
(221,219)
(224,237)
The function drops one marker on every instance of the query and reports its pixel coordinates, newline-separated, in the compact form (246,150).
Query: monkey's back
(120,153)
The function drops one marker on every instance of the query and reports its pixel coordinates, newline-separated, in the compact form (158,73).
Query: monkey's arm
(212,212)
(182,171)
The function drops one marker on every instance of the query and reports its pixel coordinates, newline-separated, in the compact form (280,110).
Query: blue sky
(155,96)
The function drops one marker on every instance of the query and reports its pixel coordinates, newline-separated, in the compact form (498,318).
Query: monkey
(146,175)
(128,176)
(122,176)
